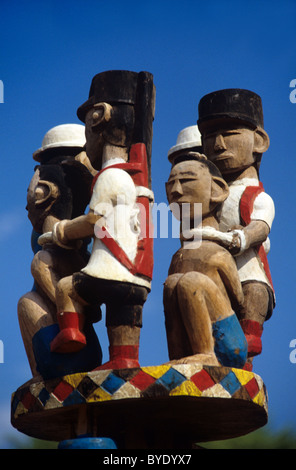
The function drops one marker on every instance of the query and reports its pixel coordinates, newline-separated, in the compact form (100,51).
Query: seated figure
(59,188)
(203,289)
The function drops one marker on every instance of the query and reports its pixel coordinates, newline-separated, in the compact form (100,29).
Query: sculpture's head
(188,140)
(107,124)
(64,140)
(231,125)
(194,179)
(115,112)
(60,190)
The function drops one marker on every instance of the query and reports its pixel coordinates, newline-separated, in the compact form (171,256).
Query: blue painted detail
(171,379)
(88,443)
(34,288)
(43,396)
(230,383)
(51,365)
(230,342)
(34,242)
(112,383)
(75,398)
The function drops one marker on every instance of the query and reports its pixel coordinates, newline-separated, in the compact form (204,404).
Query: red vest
(138,170)
(246,208)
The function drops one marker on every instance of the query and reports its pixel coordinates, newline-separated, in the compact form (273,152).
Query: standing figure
(233,137)
(203,288)
(60,188)
(118,118)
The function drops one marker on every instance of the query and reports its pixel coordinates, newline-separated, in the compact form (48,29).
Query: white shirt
(114,196)
(248,263)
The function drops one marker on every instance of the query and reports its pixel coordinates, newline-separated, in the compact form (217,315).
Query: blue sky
(49,52)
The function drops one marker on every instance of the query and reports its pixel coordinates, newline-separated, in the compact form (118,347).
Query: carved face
(32,195)
(41,196)
(189,182)
(231,149)
(94,137)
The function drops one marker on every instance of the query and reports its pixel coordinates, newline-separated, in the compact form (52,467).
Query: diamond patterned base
(147,407)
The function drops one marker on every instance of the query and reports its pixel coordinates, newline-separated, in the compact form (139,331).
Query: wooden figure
(195,398)
(60,188)
(233,137)
(118,118)
(203,287)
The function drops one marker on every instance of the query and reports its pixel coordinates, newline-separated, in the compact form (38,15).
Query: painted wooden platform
(166,406)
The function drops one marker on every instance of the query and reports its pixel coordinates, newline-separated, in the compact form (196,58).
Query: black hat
(234,103)
(113,86)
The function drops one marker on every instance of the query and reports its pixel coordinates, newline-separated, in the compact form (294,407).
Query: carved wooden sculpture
(118,117)
(202,394)
(60,188)
(203,285)
(231,124)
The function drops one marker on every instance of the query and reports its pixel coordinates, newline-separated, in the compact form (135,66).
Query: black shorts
(124,301)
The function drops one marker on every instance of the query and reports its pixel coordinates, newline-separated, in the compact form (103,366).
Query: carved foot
(203,359)
(69,340)
(122,357)
(119,364)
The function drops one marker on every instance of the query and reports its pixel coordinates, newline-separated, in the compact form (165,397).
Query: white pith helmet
(189,137)
(64,135)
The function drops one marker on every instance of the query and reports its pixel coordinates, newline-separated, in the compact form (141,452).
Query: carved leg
(200,300)
(177,340)
(124,322)
(252,316)
(124,347)
(34,313)
(212,329)
(42,268)
(70,318)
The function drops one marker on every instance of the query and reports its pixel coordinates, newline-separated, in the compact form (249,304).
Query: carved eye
(97,116)
(40,192)
(45,190)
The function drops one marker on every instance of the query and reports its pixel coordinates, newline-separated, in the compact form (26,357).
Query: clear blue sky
(49,52)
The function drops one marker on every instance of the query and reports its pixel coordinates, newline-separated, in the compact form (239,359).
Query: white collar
(113,161)
(245,182)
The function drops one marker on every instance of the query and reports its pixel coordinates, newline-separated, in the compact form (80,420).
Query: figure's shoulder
(113,172)
(111,177)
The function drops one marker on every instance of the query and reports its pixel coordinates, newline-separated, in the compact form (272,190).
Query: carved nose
(219,143)
(177,188)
